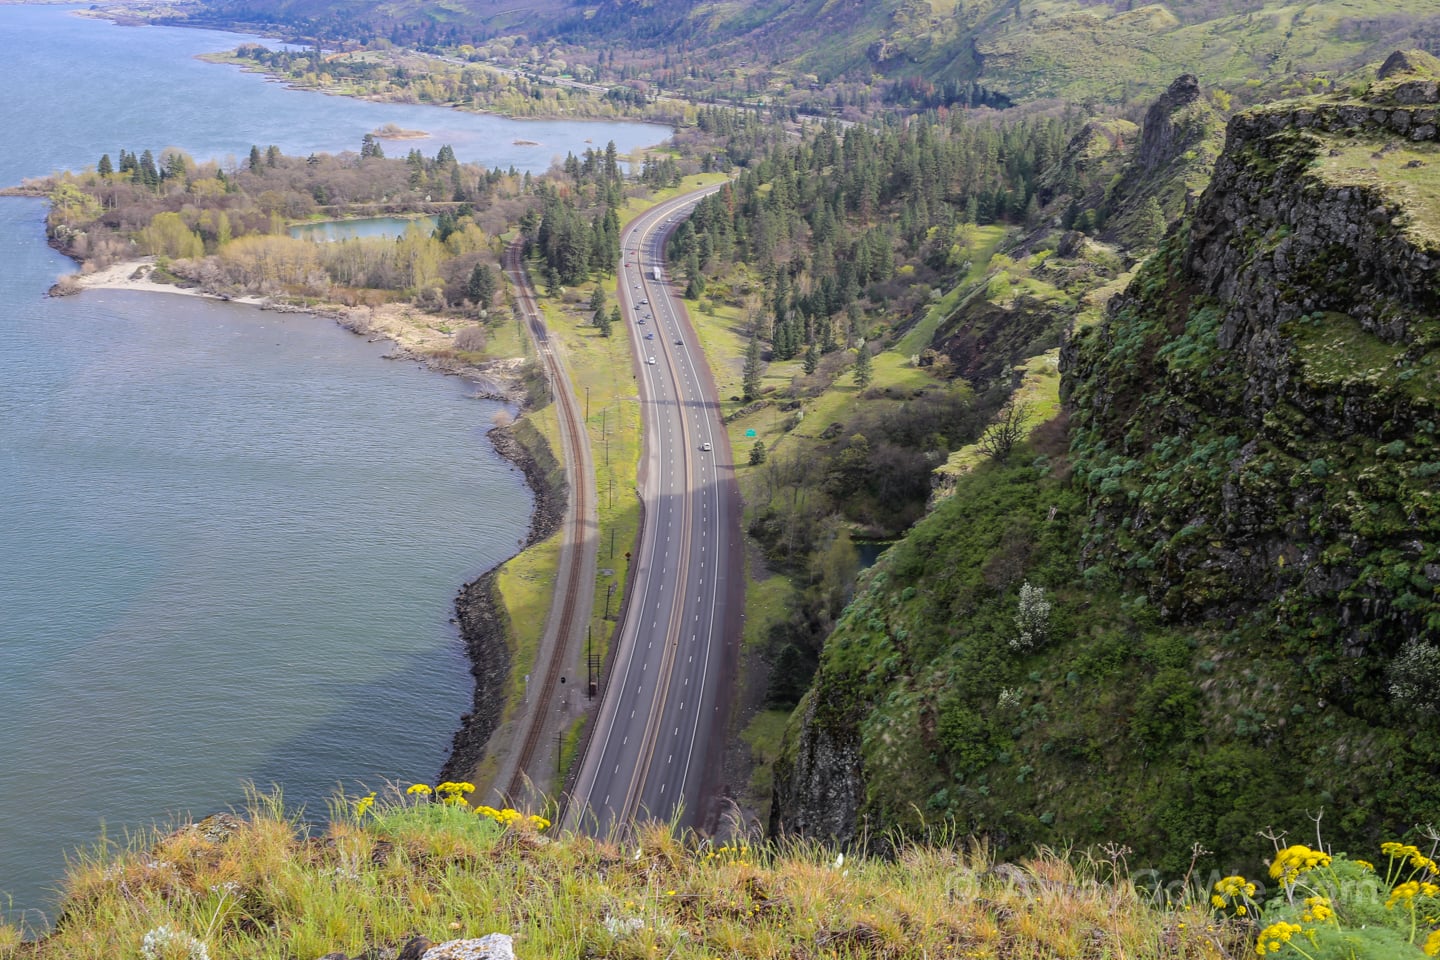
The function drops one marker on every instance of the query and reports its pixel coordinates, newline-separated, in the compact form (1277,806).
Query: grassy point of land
(1092,303)
(1405,171)
(987,240)
(1039,390)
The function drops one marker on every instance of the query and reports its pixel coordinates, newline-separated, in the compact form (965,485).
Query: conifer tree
(751,375)
(863,370)
(480,288)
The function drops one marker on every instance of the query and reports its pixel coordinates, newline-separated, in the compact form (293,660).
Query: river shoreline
(479,613)
(482,622)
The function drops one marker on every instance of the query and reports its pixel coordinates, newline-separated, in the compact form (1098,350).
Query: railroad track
(576,591)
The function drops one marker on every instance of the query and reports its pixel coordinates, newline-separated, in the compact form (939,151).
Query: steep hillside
(1212,614)
(927,52)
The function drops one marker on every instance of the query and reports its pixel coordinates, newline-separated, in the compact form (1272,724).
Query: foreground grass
(260,886)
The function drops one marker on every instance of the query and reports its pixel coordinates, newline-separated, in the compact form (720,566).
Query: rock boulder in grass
(1409,77)
(492,946)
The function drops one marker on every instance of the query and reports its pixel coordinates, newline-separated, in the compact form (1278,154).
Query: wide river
(229,539)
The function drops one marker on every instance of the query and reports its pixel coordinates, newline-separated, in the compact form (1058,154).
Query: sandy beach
(415,334)
(135,275)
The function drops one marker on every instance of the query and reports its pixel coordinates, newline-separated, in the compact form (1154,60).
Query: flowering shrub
(507,816)
(1334,907)
(1032,618)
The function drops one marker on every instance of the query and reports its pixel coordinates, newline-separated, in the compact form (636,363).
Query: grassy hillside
(404,875)
(826,55)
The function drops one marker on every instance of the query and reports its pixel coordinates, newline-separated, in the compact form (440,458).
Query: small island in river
(392,131)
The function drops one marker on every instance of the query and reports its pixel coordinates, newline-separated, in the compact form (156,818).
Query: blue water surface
(229,538)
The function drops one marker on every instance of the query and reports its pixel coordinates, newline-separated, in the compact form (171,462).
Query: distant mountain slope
(1026,49)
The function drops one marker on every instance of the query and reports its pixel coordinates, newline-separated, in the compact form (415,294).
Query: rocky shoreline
(482,622)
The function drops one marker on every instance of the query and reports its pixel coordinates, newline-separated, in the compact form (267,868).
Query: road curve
(655,746)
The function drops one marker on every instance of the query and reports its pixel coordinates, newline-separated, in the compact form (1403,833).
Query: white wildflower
(167,943)
(623,926)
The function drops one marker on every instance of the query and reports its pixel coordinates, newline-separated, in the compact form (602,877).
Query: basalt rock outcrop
(1217,609)
(1258,414)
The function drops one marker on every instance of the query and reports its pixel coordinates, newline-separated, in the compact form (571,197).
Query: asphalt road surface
(657,741)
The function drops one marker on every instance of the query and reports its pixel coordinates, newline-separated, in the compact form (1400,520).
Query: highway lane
(656,743)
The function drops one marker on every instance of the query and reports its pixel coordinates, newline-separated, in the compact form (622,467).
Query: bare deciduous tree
(999,439)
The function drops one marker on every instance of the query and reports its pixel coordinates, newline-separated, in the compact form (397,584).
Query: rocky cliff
(1291,332)
(1215,610)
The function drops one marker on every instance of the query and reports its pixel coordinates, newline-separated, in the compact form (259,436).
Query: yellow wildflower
(1404,893)
(1275,936)
(1365,865)
(422,789)
(1317,909)
(1432,944)
(363,805)
(1291,862)
(538,822)
(1235,886)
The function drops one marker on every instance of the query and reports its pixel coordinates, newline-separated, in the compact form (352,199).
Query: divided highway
(658,736)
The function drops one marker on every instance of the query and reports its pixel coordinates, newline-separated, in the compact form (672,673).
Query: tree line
(224,224)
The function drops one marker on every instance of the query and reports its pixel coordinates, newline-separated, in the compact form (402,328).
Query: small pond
(388,228)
